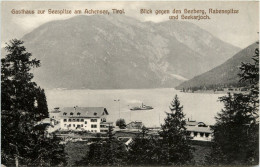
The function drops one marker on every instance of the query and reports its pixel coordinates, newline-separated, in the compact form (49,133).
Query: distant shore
(216,92)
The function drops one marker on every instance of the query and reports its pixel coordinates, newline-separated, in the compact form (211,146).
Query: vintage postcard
(129,83)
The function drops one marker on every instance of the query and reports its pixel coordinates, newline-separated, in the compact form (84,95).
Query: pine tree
(250,73)
(236,132)
(18,91)
(144,150)
(231,137)
(23,105)
(175,139)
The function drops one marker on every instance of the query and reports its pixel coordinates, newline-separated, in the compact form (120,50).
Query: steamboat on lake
(142,107)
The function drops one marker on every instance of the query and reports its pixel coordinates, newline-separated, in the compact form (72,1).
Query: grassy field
(200,153)
(77,150)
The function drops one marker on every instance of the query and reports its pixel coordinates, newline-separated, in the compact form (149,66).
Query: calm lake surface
(199,107)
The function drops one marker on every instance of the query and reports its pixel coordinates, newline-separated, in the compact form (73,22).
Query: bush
(121,123)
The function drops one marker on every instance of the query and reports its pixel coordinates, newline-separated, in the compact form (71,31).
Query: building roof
(199,129)
(45,121)
(194,123)
(90,112)
(191,123)
(55,111)
(135,122)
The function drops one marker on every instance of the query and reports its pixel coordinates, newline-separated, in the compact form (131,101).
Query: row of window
(79,120)
(70,113)
(78,126)
(69,125)
(103,126)
(77,113)
(93,120)
(201,134)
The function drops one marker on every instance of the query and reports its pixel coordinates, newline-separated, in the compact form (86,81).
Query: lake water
(199,107)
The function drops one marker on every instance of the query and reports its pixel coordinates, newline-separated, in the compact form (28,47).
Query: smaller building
(127,141)
(199,131)
(54,116)
(104,126)
(135,125)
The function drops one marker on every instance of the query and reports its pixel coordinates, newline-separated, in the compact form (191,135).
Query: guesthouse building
(92,119)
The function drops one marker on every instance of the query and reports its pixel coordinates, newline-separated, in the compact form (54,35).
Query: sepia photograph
(129,83)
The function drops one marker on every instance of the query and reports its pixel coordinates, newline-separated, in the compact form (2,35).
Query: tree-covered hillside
(225,75)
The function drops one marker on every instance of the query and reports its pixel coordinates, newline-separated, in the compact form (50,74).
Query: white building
(199,131)
(92,119)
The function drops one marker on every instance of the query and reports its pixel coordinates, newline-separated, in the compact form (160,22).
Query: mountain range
(115,52)
(224,74)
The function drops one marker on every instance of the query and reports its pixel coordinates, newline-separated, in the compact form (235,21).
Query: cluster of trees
(23,105)
(236,132)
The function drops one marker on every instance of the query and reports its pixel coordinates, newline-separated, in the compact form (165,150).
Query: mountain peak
(101,52)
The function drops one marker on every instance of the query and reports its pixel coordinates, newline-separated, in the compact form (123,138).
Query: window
(102,126)
(93,120)
(207,134)
(82,120)
(71,113)
(69,125)
(86,122)
(73,125)
(78,113)
(64,113)
(65,120)
(103,120)
(81,125)
(93,126)
(64,125)
(77,120)
(73,120)
(69,120)
(201,134)
(95,113)
(195,134)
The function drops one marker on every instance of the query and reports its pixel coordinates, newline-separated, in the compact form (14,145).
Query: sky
(237,29)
